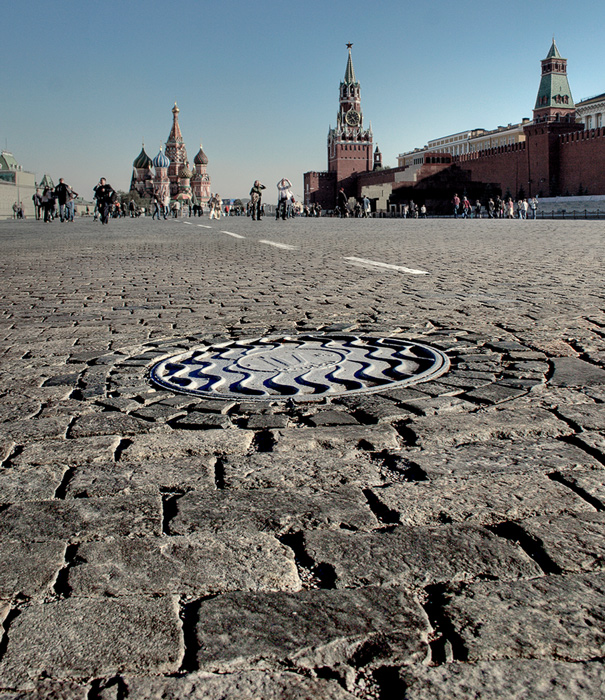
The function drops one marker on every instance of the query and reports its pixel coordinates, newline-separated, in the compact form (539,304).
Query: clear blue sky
(84,83)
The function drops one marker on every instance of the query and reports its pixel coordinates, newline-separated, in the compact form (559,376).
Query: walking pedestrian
(105,195)
(37,200)
(533,206)
(284,195)
(341,203)
(256,194)
(62,194)
(70,205)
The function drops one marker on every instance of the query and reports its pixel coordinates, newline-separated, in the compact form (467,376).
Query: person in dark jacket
(62,191)
(104,194)
(256,194)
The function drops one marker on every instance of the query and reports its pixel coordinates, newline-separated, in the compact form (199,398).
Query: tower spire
(349,72)
(554,100)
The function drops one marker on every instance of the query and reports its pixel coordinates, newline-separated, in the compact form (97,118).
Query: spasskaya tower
(349,143)
(349,147)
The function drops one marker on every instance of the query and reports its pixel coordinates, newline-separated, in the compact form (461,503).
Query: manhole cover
(299,367)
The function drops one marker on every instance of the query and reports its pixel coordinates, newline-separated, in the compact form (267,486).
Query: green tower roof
(554,51)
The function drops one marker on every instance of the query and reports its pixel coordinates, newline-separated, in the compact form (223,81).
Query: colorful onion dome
(161,161)
(142,160)
(185,172)
(201,158)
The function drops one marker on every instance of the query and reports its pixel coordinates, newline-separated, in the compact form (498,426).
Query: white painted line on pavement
(187,222)
(361,262)
(203,226)
(285,246)
(235,235)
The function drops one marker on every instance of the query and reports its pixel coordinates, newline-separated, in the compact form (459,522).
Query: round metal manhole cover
(304,367)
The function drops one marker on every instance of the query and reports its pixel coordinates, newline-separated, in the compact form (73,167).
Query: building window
(599,118)
(589,122)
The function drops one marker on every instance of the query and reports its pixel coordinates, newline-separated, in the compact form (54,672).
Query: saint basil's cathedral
(168,174)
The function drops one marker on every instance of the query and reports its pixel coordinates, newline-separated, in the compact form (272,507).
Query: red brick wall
(582,162)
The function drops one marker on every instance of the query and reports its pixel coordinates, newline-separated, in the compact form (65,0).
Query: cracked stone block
(68,453)
(342,438)
(18,407)
(166,444)
(417,556)
(88,638)
(29,569)
(311,629)
(268,685)
(203,565)
(24,431)
(82,519)
(495,680)
(592,483)
(439,405)
(29,484)
(374,408)
(107,423)
(571,371)
(494,393)
(574,542)
(266,421)
(202,421)
(593,441)
(325,471)
(587,416)
(47,689)
(331,418)
(503,457)
(112,479)
(158,412)
(522,423)
(271,510)
(558,617)
(503,497)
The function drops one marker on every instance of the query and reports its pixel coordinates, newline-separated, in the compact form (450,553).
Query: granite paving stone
(311,629)
(588,417)
(592,484)
(505,497)
(342,438)
(67,453)
(81,519)
(90,638)
(201,566)
(575,542)
(29,569)
(268,685)
(162,475)
(417,556)
(515,678)
(107,423)
(522,423)
(557,617)
(494,458)
(572,371)
(271,510)
(165,444)
(324,471)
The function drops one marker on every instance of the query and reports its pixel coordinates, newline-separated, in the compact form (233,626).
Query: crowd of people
(60,202)
(495,209)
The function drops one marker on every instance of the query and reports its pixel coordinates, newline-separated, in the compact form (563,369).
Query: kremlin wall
(554,155)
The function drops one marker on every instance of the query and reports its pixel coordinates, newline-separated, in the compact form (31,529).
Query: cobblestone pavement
(444,540)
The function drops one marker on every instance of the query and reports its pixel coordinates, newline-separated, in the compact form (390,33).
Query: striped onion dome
(161,161)
(142,160)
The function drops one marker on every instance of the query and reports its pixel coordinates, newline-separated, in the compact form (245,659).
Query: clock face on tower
(352,118)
